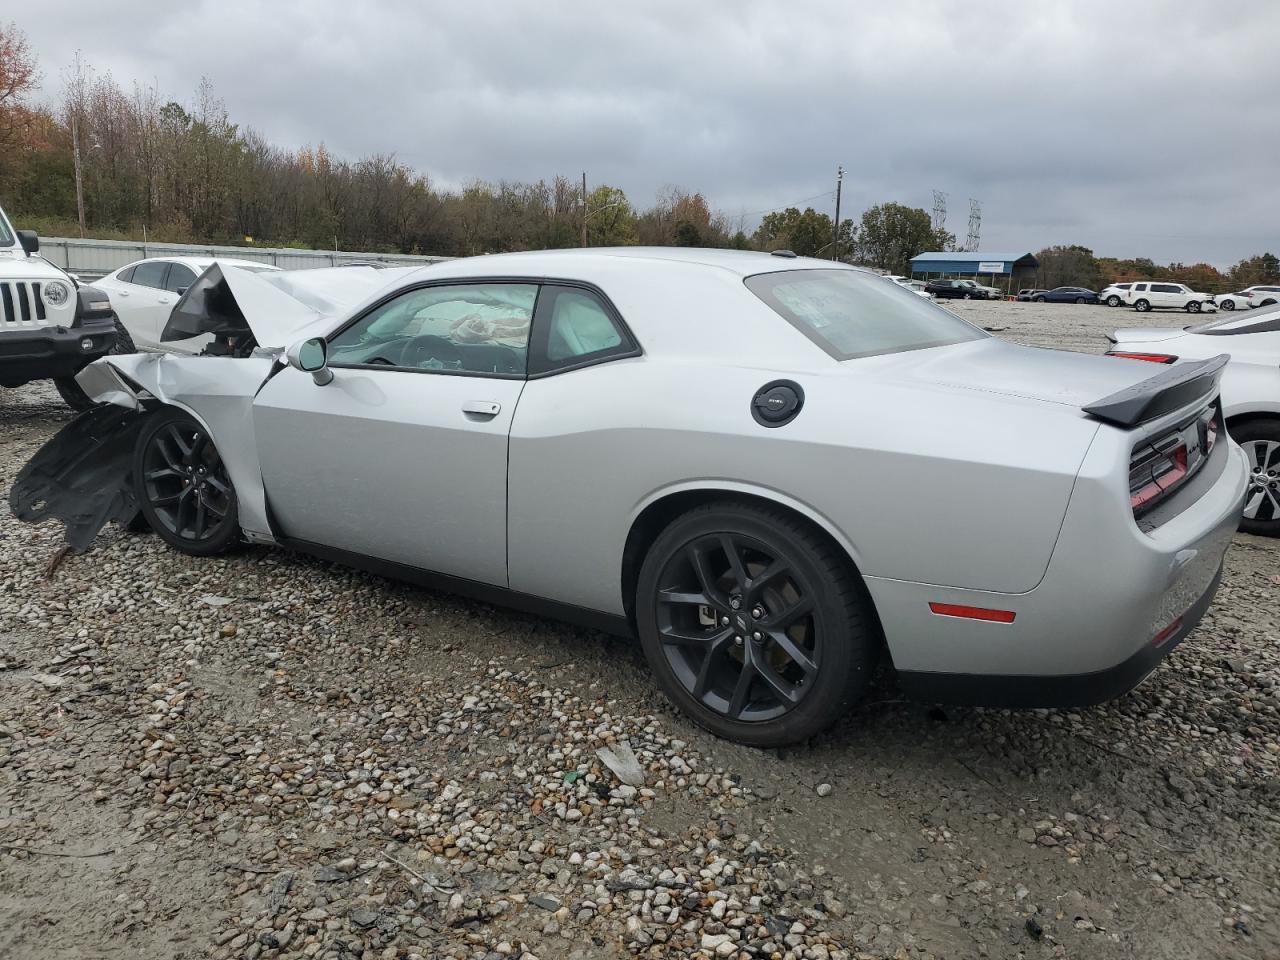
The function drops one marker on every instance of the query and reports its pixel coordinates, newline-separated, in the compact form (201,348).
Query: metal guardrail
(91,259)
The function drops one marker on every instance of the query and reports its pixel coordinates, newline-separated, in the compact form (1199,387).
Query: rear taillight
(1149,357)
(1158,468)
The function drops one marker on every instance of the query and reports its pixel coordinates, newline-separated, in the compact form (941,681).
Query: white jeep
(50,326)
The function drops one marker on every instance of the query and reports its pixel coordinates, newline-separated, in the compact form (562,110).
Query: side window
(575,327)
(480,328)
(1165,288)
(150,273)
(126,275)
(180,277)
(1139,288)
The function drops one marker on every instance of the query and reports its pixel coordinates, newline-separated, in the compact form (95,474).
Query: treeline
(187,173)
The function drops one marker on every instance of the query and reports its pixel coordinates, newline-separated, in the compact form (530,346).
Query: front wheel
(1260,440)
(1113,301)
(1142,306)
(1193,307)
(968,296)
(754,624)
(1039,299)
(183,487)
(70,391)
(1079,299)
(1227,305)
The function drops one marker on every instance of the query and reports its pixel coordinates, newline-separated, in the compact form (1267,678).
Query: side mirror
(30,241)
(182,290)
(311,356)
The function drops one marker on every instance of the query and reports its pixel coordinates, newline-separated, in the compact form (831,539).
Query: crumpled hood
(272,305)
(998,367)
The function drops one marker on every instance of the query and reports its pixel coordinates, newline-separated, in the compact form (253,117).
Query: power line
(828,194)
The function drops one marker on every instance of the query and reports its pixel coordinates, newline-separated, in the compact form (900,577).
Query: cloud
(1143,128)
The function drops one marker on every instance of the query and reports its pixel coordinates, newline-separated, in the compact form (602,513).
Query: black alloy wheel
(753,624)
(183,487)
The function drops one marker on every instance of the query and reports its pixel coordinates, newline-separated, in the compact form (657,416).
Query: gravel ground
(264,755)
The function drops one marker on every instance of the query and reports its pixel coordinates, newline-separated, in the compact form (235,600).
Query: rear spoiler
(1171,389)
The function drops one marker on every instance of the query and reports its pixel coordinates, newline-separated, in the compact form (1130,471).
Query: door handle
(121,293)
(482,408)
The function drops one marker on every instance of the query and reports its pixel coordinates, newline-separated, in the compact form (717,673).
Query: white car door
(402,456)
(143,304)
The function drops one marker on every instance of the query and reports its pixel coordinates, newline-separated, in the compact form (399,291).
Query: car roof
(202,263)
(550,263)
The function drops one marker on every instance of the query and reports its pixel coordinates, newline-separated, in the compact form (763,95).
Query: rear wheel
(1079,299)
(754,624)
(183,486)
(70,391)
(1142,306)
(968,296)
(1260,440)
(1113,301)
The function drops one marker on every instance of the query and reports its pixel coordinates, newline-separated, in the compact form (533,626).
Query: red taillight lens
(1149,357)
(1158,467)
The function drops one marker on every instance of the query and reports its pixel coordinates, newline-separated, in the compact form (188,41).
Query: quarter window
(480,328)
(575,327)
(126,275)
(180,278)
(150,273)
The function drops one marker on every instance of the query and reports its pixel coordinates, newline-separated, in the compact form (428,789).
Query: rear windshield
(851,314)
(1254,321)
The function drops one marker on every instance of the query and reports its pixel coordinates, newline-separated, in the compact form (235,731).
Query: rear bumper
(1114,601)
(1069,690)
(39,353)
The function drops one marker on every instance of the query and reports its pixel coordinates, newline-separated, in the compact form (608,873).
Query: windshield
(6,234)
(851,314)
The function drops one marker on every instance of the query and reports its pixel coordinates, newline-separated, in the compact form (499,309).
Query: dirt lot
(268,756)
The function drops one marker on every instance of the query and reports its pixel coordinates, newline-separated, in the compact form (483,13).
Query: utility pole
(835,240)
(584,208)
(75,153)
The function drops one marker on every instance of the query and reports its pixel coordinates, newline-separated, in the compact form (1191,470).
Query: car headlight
(55,293)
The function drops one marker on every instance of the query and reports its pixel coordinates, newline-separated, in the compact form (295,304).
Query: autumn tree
(1070,266)
(891,234)
(18,77)
(806,233)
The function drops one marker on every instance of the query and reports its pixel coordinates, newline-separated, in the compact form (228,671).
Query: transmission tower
(975,224)
(939,211)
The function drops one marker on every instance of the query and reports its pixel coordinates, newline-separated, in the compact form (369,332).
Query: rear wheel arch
(665,507)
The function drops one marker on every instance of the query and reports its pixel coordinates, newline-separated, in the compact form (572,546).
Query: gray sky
(1135,127)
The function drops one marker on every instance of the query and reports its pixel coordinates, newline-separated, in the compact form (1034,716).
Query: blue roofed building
(959,263)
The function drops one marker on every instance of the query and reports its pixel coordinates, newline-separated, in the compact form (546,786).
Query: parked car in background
(992,293)
(915,286)
(682,446)
(1066,295)
(1262,296)
(955,290)
(1231,301)
(145,291)
(1113,294)
(1028,294)
(51,327)
(1149,295)
(1250,393)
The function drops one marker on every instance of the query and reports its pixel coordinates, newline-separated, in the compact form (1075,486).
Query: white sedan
(143,294)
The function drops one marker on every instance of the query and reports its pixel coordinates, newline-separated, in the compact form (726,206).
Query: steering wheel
(427,347)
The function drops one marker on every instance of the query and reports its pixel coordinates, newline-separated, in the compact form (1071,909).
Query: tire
(968,296)
(1113,301)
(1267,303)
(1142,306)
(1193,306)
(1080,300)
(724,665)
(1261,442)
(1039,299)
(1227,305)
(175,456)
(70,391)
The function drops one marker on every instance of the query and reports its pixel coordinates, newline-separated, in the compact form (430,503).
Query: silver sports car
(769,469)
